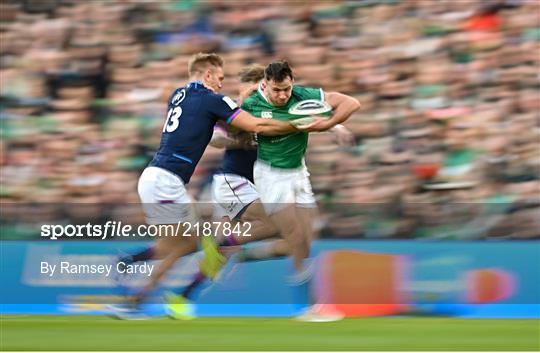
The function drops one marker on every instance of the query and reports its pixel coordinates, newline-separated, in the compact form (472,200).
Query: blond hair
(251,73)
(201,61)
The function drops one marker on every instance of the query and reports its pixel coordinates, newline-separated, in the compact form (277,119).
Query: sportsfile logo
(114,229)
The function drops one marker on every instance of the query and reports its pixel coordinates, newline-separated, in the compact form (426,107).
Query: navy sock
(197,281)
(229,241)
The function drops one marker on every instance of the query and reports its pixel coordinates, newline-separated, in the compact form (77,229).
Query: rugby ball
(308,108)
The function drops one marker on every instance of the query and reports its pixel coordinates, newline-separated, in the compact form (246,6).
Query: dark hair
(252,73)
(278,71)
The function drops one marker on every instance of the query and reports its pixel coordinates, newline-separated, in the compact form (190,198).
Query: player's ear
(207,74)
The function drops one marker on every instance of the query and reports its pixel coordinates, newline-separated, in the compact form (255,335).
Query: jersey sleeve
(309,93)
(248,105)
(222,108)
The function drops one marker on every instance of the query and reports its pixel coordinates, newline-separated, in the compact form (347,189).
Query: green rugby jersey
(284,151)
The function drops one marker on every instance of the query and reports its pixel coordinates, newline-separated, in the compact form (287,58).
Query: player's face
(213,78)
(278,93)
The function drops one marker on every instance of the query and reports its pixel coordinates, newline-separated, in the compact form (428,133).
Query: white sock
(304,275)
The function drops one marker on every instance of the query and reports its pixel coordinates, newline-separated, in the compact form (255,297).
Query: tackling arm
(220,139)
(270,127)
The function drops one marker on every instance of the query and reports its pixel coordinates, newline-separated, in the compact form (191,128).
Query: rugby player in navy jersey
(235,196)
(233,192)
(193,111)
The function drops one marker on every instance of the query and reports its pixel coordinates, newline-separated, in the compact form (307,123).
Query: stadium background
(446,142)
(445,86)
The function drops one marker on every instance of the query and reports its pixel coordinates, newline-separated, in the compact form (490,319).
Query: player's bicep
(334,98)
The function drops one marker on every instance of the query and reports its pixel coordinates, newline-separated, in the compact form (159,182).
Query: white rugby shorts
(280,187)
(164,197)
(231,193)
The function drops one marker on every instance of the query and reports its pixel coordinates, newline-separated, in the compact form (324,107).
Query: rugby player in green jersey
(280,173)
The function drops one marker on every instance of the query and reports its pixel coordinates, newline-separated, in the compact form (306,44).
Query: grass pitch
(79,333)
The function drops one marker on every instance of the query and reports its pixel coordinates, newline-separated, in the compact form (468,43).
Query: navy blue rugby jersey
(192,113)
(238,162)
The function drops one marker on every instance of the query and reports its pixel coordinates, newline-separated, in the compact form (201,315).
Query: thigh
(262,226)
(255,212)
(304,196)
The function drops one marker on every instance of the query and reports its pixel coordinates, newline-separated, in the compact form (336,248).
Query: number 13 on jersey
(172,122)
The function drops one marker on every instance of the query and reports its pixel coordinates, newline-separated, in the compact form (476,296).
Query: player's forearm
(271,127)
(344,110)
(222,141)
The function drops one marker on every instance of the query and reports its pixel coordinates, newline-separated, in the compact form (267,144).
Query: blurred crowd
(447,142)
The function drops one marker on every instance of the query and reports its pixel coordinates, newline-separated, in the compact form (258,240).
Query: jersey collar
(195,84)
(261,92)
